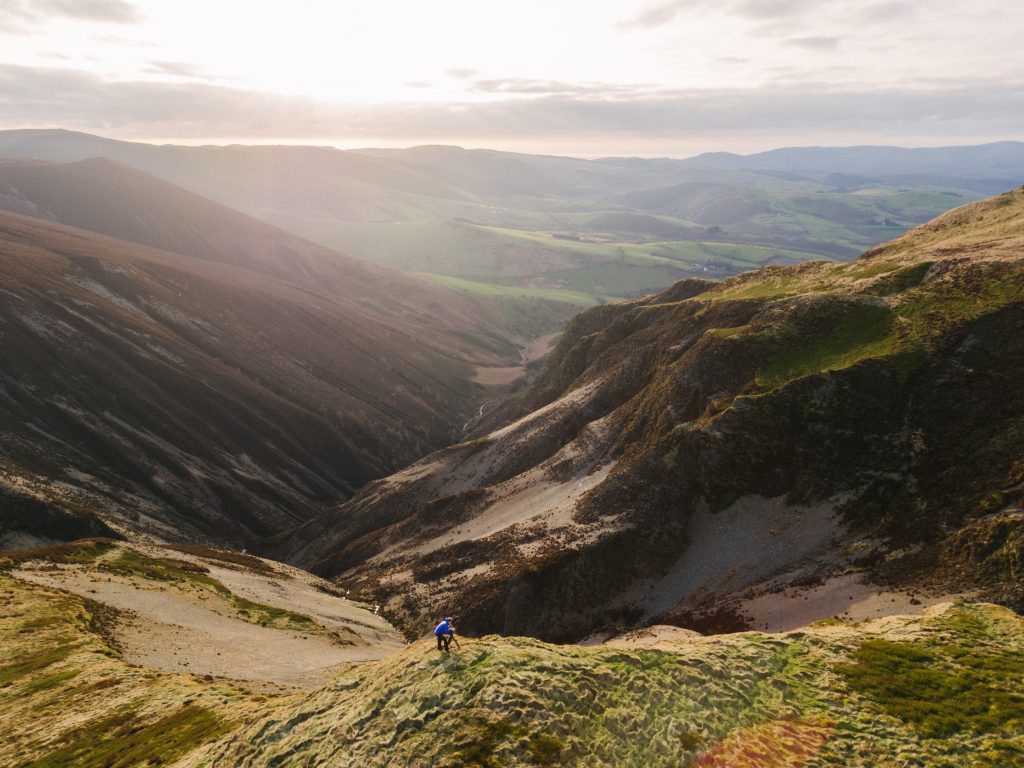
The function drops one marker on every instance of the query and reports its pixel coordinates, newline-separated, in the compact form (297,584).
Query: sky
(574,77)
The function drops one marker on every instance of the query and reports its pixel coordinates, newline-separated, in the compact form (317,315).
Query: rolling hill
(986,168)
(607,228)
(791,444)
(112,199)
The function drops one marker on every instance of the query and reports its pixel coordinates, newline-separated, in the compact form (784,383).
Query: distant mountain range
(583,231)
(993,167)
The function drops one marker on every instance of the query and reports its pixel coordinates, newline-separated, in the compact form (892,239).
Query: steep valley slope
(796,443)
(219,393)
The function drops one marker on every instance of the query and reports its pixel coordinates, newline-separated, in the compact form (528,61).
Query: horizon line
(351,146)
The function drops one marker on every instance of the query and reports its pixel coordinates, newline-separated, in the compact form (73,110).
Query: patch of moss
(484,738)
(545,749)
(690,742)
(1000,753)
(857,331)
(268,614)
(941,690)
(130,563)
(119,741)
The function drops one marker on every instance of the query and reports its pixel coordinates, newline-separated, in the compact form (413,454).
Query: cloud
(175,68)
(802,113)
(461,73)
(37,11)
(660,15)
(418,83)
(814,42)
(760,10)
(525,87)
(890,10)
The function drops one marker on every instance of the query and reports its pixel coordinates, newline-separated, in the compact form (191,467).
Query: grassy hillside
(936,690)
(932,692)
(69,700)
(124,656)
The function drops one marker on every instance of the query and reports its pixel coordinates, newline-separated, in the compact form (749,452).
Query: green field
(511,292)
(592,238)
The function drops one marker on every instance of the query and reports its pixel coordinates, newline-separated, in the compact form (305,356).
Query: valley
(169,393)
(761,519)
(542,385)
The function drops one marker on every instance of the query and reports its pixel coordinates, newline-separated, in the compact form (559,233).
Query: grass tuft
(121,741)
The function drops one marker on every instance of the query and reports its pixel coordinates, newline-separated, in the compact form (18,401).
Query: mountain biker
(444,632)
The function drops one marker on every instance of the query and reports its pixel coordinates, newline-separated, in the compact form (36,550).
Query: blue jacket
(444,628)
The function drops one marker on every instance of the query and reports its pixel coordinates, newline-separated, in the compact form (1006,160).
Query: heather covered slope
(797,442)
(937,690)
(190,398)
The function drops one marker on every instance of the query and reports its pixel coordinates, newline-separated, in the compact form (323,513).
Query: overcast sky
(580,77)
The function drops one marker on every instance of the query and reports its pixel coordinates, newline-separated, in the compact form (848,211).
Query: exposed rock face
(822,418)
